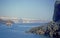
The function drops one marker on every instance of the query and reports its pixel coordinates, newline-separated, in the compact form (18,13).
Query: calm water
(18,31)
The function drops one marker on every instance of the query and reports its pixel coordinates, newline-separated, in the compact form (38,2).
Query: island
(7,22)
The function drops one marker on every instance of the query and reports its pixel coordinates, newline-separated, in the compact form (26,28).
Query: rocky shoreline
(51,29)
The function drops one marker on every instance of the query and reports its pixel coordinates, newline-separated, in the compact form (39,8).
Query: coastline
(51,29)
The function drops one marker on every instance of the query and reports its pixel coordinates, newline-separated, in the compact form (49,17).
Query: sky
(33,9)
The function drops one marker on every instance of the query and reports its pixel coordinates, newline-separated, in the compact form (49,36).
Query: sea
(19,31)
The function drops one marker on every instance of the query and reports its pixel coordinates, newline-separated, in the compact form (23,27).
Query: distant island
(7,22)
(11,20)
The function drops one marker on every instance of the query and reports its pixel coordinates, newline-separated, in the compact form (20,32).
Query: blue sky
(33,9)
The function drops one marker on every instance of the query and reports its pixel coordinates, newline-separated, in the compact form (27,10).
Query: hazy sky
(34,9)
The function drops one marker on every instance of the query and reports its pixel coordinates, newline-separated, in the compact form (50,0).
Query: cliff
(52,28)
(56,16)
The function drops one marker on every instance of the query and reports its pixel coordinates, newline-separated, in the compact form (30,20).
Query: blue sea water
(18,31)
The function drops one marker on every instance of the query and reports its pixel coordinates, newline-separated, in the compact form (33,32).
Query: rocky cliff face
(56,16)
